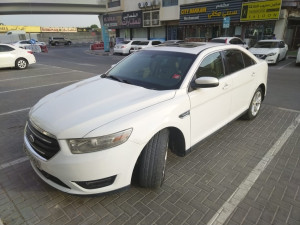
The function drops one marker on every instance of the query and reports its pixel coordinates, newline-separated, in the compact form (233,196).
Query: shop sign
(210,12)
(265,10)
(226,22)
(123,20)
(27,29)
(59,29)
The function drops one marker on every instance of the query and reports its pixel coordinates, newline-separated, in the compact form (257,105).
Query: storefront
(128,25)
(259,20)
(203,21)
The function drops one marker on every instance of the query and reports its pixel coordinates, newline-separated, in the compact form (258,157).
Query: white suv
(96,135)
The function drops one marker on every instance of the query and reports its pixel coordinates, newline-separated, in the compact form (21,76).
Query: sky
(50,20)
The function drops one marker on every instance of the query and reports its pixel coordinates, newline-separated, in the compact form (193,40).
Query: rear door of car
(241,67)
(7,56)
(210,107)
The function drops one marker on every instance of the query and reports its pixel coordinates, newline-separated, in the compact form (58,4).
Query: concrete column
(105,34)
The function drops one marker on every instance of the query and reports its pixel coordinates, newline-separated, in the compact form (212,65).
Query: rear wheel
(254,105)
(21,64)
(153,158)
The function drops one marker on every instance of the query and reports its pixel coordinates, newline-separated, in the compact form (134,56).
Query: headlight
(272,53)
(86,145)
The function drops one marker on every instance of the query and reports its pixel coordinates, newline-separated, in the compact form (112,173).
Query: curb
(291,57)
(93,52)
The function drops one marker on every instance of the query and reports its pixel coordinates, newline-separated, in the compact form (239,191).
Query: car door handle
(225,86)
(253,74)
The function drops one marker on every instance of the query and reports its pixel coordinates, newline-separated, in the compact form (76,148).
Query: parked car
(59,41)
(298,57)
(124,47)
(272,51)
(12,56)
(230,40)
(170,42)
(94,136)
(144,44)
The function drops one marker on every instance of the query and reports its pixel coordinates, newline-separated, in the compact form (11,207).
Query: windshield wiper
(118,79)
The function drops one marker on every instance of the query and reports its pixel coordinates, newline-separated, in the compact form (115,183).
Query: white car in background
(124,47)
(272,51)
(230,40)
(96,135)
(12,56)
(25,43)
(144,44)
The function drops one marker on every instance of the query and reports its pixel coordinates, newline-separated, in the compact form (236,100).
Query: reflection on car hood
(74,111)
(263,51)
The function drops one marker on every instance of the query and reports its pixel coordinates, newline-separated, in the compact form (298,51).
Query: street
(197,186)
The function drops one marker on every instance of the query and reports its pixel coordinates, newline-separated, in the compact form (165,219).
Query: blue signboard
(226,22)
(210,12)
(105,37)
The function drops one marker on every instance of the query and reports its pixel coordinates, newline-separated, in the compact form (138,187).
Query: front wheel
(21,64)
(255,105)
(153,160)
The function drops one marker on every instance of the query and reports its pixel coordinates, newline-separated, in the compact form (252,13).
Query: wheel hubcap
(256,103)
(22,64)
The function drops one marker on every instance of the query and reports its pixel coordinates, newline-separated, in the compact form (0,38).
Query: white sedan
(230,40)
(272,51)
(96,135)
(12,56)
(144,44)
(124,47)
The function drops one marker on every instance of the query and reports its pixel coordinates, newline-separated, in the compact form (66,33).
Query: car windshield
(143,43)
(218,40)
(157,70)
(267,44)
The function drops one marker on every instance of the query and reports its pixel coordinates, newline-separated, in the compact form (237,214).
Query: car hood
(263,51)
(74,111)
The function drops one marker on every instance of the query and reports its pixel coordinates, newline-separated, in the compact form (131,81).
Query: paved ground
(196,188)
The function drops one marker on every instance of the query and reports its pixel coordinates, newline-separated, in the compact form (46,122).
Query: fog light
(93,184)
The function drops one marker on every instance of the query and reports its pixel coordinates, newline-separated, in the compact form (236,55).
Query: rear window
(216,40)
(135,42)
(125,42)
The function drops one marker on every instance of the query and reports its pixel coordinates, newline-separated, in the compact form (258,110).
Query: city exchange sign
(210,12)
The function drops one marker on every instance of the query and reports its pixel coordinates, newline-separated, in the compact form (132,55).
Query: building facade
(202,20)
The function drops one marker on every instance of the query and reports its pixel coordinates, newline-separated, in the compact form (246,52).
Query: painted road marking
(15,111)
(240,193)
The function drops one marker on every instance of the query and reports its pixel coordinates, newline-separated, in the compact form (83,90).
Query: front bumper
(121,51)
(71,173)
(268,59)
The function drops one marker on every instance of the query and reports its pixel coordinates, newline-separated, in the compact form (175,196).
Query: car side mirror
(205,82)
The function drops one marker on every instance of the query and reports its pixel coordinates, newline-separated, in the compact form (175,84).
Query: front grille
(42,144)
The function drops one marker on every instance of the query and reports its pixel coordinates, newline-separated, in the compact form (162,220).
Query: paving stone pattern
(195,188)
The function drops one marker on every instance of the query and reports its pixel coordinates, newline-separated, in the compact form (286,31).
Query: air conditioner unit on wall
(148,3)
(141,5)
(156,2)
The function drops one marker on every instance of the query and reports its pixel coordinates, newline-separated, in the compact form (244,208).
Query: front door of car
(210,107)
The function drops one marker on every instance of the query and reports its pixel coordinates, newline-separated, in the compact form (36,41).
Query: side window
(233,61)
(211,66)
(239,41)
(156,42)
(4,48)
(233,41)
(248,60)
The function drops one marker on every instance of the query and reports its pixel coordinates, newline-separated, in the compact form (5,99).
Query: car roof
(190,47)
(225,37)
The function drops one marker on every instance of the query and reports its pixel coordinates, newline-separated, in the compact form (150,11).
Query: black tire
(255,105)
(21,63)
(152,162)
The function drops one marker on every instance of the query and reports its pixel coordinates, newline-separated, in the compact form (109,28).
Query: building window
(113,3)
(169,2)
(151,18)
